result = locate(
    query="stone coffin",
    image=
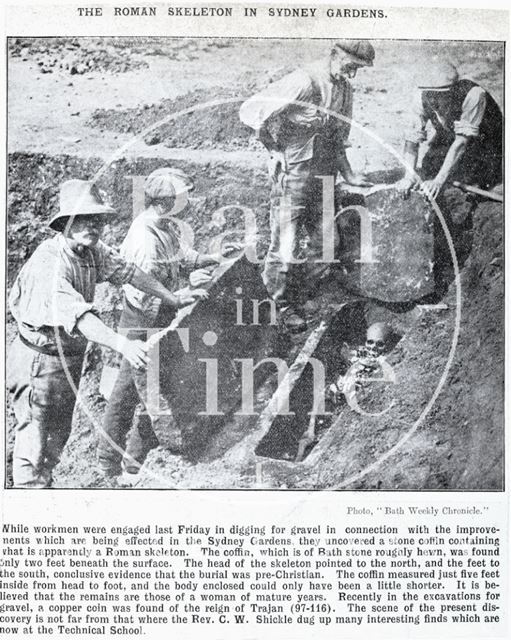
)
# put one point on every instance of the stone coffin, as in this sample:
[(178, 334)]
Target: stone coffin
[(199, 381), (283, 433), (401, 244)]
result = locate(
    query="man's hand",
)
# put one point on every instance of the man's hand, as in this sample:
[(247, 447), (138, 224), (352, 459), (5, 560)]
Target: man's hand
[(225, 251), (358, 180), (135, 352), (276, 164), (432, 188), (184, 299), (405, 185), (230, 248), (200, 277)]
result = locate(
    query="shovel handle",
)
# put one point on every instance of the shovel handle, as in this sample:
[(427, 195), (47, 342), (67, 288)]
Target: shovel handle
[(477, 191)]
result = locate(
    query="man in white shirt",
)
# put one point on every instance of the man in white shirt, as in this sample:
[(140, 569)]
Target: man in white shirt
[(154, 246), (304, 121)]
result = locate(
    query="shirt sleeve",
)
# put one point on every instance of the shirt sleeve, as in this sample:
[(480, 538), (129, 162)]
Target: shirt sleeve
[(344, 124), (43, 296), (190, 256), (143, 251), (472, 113), (111, 266), (416, 130), (279, 95)]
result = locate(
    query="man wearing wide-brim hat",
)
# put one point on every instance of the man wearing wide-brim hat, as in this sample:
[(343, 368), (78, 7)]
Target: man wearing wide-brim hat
[(466, 123), (152, 243), (304, 121), (52, 303)]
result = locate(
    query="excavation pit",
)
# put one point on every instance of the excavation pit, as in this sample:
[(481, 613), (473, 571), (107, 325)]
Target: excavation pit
[(332, 351), (459, 443)]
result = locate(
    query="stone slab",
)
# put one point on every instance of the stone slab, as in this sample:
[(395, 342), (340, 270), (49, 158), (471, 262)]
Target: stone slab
[(218, 330), (402, 246)]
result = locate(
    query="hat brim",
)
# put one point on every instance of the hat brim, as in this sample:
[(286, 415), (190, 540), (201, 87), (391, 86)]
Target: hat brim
[(360, 61), (439, 89), (95, 210)]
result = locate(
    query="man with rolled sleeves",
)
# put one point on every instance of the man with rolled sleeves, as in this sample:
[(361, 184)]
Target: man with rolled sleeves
[(52, 303), (153, 245), (296, 119), (466, 144)]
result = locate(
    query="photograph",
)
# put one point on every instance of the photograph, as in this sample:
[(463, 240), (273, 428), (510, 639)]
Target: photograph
[(254, 264)]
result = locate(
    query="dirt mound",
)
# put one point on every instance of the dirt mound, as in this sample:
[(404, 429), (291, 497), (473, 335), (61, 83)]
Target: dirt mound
[(210, 118), (76, 55), (218, 126), (459, 444)]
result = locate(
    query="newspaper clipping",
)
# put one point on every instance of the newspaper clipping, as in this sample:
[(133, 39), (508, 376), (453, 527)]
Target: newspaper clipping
[(254, 321)]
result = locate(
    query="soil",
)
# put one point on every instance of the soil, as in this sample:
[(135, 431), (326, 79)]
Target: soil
[(82, 119)]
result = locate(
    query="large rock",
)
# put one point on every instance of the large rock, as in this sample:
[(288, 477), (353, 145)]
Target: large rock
[(188, 402), (400, 246)]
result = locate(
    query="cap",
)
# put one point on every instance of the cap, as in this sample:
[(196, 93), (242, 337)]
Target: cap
[(362, 51), (167, 182), (440, 76)]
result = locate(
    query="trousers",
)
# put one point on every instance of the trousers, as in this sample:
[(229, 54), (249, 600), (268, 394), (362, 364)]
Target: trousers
[(128, 435), (120, 420), (298, 198), (43, 391)]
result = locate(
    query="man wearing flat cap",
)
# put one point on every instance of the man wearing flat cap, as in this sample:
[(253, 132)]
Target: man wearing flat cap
[(153, 245), (466, 142), (52, 303), (304, 121)]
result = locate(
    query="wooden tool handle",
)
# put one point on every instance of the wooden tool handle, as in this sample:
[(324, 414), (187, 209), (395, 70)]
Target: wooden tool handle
[(480, 192)]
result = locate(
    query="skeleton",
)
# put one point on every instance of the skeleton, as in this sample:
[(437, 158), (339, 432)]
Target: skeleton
[(363, 361)]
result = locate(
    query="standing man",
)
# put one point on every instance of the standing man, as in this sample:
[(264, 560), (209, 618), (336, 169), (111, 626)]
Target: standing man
[(466, 144), (295, 118), (52, 302), (153, 245)]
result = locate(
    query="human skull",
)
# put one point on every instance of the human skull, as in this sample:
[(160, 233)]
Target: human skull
[(377, 339)]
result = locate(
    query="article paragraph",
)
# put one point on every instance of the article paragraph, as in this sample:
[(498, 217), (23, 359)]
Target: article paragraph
[(126, 579)]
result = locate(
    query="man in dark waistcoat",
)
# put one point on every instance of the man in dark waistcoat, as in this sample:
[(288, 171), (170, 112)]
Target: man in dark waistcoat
[(466, 144)]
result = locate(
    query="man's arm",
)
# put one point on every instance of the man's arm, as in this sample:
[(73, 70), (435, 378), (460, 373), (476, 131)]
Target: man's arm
[(410, 155), (135, 351), (150, 285), (454, 155), (265, 137), (415, 135), (465, 128), (208, 259), (452, 159), (261, 109), (344, 167), (274, 99)]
